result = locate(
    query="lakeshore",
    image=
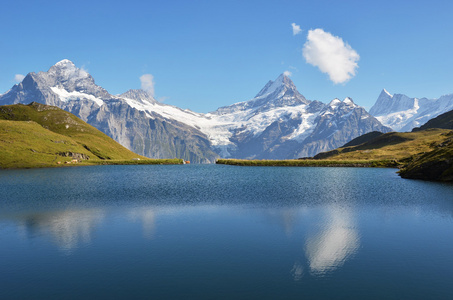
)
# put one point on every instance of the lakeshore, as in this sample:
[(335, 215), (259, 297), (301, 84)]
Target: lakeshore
[(310, 163)]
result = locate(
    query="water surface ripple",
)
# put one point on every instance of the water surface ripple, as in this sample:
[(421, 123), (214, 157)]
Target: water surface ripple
[(210, 231)]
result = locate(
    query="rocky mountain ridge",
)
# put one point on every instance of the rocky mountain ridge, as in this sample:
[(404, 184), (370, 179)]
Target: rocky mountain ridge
[(74, 90), (279, 123), (403, 113)]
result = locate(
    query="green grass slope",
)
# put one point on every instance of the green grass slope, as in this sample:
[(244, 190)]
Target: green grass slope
[(425, 154), (38, 135), (398, 146), (434, 165)]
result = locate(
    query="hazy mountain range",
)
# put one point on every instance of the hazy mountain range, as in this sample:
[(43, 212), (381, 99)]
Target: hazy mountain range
[(278, 123)]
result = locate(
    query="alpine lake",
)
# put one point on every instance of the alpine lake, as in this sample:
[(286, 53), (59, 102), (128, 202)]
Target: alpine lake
[(223, 232)]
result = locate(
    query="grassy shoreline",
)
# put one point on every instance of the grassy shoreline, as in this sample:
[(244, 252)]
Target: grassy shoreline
[(174, 161), (310, 163)]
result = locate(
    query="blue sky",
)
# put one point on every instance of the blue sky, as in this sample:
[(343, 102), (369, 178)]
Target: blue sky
[(207, 54)]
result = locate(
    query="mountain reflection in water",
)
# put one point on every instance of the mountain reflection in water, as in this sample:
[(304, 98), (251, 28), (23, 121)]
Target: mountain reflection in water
[(327, 246), (68, 229)]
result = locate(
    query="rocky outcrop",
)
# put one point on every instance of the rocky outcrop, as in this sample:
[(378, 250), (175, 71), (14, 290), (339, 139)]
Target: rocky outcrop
[(74, 155)]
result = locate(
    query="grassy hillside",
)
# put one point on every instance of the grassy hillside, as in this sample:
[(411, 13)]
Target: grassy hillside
[(38, 135), (363, 138), (433, 165), (425, 153), (398, 146)]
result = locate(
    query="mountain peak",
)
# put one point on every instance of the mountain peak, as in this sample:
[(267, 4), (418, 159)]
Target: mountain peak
[(64, 62), (65, 75), (281, 82), (66, 69), (383, 103), (337, 103), (385, 93), (279, 93), (349, 101), (138, 95), (283, 77), (334, 103)]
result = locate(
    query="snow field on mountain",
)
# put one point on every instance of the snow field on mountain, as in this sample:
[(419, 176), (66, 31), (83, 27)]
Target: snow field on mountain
[(402, 113), (257, 128), (65, 96)]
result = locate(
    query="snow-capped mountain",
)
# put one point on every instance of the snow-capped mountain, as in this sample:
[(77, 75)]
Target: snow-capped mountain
[(146, 133), (403, 113), (279, 123)]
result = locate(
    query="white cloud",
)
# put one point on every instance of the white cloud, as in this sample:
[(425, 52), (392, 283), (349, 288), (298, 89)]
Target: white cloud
[(296, 29), (147, 81), (84, 68), (287, 73), (19, 77), (331, 55), (163, 99)]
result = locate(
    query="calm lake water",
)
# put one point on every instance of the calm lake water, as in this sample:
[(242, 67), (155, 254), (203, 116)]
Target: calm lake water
[(223, 232)]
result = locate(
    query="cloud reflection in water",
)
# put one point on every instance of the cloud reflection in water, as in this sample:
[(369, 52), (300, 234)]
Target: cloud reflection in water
[(334, 244), (328, 249)]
